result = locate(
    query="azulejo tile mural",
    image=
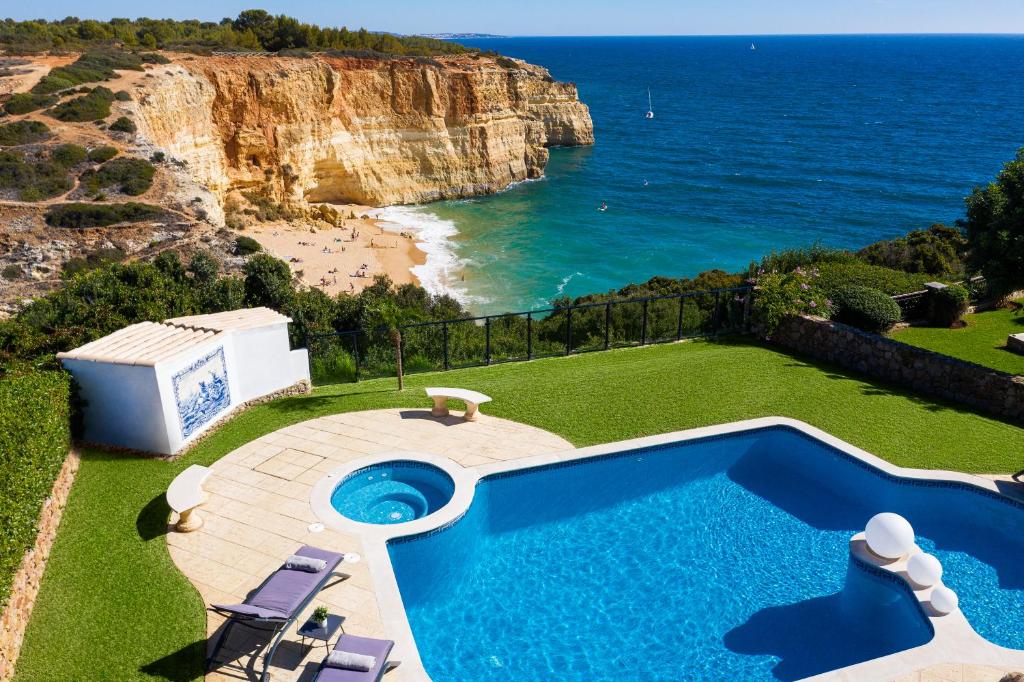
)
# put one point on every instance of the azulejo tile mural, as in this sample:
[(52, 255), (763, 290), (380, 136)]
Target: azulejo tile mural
[(201, 391)]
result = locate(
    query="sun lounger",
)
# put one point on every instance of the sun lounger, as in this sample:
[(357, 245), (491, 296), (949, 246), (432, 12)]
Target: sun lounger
[(378, 648), (275, 604)]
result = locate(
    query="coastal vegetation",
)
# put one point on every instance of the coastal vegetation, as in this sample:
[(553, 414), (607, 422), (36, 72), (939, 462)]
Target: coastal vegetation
[(250, 30), (102, 154), (91, 67), (78, 215), (33, 180), (23, 132), (25, 102), (995, 228), (123, 124), (111, 540), (131, 176), (93, 106)]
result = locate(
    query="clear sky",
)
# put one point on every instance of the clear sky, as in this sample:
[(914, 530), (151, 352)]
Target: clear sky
[(581, 17)]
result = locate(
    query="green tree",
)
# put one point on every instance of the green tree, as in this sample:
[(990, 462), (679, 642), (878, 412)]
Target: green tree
[(995, 229), (268, 282)]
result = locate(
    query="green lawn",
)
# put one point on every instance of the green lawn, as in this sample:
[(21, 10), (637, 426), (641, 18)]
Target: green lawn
[(982, 341), (113, 607)]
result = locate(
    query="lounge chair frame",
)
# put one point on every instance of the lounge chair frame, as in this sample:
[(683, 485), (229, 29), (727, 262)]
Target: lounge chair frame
[(277, 626)]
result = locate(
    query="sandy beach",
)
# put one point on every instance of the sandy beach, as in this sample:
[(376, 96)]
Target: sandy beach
[(341, 259)]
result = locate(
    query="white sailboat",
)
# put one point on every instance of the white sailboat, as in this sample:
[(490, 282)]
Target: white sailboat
[(650, 109), (753, 46)]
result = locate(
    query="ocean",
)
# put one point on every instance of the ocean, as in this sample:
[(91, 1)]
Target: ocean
[(841, 140)]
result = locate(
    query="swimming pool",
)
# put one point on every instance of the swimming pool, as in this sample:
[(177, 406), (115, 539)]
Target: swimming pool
[(393, 492), (723, 558)]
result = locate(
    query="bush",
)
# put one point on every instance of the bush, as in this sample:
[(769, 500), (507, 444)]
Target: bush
[(937, 251), (123, 96), (90, 67), (245, 246), (154, 58), (132, 176), (124, 125), (102, 154), (887, 280), (866, 308), (11, 272), (34, 180), (93, 260), (93, 215), (92, 107), (947, 306), (34, 440), (23, 132), (24, 102), (777, 296), (995, 229), (789, 260), (68, 155), (158, 157)]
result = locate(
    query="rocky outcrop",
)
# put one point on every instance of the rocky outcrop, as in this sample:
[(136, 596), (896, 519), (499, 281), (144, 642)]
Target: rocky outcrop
[(360, 130)]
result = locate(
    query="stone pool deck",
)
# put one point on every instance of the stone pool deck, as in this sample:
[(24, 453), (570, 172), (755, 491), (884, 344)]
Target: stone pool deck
[(258, 512)]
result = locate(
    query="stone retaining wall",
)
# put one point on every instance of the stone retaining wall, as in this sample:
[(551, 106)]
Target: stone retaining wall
[(988, 390), (25, 587)]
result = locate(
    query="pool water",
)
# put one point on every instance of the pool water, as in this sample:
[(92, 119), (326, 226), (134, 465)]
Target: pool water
[(721, 559), (393, 492)]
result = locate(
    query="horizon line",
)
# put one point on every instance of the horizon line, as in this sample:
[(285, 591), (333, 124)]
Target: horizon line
[(495, 36)]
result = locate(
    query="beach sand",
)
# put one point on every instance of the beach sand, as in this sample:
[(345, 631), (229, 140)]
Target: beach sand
[(329, 259)]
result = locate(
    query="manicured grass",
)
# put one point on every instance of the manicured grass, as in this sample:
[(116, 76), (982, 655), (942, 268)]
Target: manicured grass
[(982, 341), (113, 606)]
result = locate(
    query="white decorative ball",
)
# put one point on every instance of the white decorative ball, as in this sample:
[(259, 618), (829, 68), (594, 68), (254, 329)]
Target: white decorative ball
[(944, 600), (924, 569), (889, 535)]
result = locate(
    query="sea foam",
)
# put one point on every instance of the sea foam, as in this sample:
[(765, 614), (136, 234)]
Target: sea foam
[(440, 274)]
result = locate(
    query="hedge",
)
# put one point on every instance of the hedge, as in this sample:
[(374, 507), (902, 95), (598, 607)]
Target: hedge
[(34, 440), (889, 281), (947, 306), (865, 308)]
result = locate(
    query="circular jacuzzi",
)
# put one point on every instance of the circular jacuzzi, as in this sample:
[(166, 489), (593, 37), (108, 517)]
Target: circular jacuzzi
[(393, 492)]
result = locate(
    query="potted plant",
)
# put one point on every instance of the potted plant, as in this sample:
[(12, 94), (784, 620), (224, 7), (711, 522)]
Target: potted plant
[(320, 616)]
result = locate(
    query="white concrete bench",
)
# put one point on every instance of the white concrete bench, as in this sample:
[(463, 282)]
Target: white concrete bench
[(185, 494), (472, 399)]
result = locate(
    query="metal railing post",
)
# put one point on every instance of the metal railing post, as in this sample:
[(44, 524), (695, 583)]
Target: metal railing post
[(643, 325), (529, 336), (715, 315), (607, 325), (568, 331), (444, 332), (487, 345), (679, 320)]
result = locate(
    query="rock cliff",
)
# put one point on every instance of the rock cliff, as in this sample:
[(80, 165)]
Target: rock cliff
[(360, 130)]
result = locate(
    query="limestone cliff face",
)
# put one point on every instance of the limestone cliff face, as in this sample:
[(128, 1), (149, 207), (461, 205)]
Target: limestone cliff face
[(370, 131)]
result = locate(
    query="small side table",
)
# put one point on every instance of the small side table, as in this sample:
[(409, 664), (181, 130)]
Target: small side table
[(313, 631)]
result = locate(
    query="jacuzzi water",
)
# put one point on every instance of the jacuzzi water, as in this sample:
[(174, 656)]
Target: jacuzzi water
[(721, 559), (393, 492)]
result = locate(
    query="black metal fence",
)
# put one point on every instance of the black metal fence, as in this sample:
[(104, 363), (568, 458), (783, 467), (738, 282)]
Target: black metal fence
[(491, 339), (913, 305)]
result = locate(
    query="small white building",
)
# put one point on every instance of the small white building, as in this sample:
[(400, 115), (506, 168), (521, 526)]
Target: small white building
[(155, 386)]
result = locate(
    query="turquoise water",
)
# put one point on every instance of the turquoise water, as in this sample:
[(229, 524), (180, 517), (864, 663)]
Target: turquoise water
[(393, 492), (724, 559), (843, 140)]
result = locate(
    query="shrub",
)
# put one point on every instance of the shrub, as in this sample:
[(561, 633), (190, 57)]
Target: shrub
[(937, 251), (23, 132), (123, 96), (11, 272), (68, 155), (887, 280), (995, 229), (92, 107), (866, 308), (946, 306), (789, 260), (777, 296), (158, 157), (24, 102), (93, 260), (124, 125), (90, 67), (92, 215), (34, 440), (33, 180), (246, 245), (132, 176), (102, 154), (154, 58)]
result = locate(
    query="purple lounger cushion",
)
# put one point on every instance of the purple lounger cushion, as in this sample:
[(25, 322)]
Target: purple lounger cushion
[(378, 648), (286, 590)]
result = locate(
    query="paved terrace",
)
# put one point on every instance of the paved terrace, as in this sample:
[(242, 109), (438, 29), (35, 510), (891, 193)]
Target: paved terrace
[(258, 512)]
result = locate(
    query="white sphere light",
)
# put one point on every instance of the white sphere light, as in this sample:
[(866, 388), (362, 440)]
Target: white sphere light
[(924, 569), (889, 535), (944, 600)]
